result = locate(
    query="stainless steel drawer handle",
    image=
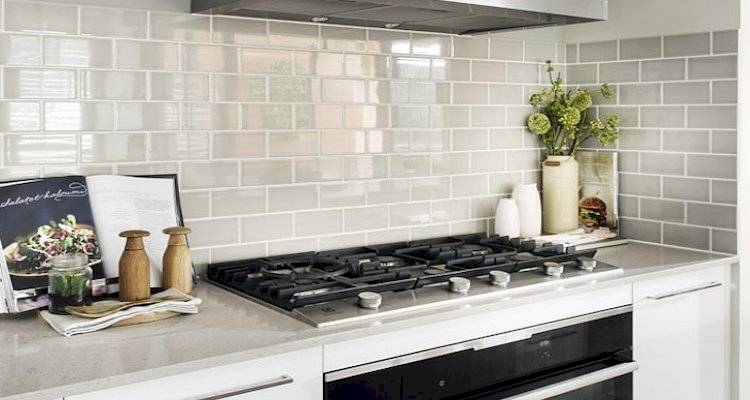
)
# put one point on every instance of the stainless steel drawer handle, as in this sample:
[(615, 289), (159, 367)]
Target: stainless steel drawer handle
[(685, 291), (576, 383), (275, 382)]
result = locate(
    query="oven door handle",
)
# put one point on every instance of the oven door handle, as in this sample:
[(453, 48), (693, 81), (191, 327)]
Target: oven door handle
[(578, 382)]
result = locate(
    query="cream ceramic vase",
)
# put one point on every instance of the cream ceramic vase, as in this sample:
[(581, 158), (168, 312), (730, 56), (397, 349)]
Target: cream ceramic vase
[(560, 194)]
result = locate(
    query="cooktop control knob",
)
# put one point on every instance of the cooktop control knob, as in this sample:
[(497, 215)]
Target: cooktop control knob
[(587, 263), (552, 268), (459, 285), (499, 278), (369, 300)]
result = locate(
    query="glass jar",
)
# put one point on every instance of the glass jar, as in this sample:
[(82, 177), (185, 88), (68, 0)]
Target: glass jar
[(69, 282)]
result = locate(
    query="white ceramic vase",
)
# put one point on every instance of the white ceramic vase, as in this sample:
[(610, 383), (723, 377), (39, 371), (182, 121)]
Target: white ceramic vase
[(507, 219), (529, 209), (560, 194)]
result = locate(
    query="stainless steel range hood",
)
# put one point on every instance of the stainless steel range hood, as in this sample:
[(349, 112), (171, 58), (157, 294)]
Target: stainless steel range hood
[(446, 16)]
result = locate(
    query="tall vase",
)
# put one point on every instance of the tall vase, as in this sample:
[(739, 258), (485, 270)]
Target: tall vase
[(560, 194), (529, 209)]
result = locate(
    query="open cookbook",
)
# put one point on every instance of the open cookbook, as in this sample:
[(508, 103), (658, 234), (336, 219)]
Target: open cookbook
[(41, 218)]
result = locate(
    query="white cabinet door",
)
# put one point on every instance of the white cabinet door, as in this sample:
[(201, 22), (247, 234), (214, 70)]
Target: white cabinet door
[(297, 375), (681, 336)]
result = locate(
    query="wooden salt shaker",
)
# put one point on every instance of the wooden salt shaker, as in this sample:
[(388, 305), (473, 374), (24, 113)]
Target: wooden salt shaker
[(177, 263), (135, 267)]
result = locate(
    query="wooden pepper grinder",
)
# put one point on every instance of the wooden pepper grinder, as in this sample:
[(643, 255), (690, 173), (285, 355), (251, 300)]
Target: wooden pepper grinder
[(177, 263), (135, 268)]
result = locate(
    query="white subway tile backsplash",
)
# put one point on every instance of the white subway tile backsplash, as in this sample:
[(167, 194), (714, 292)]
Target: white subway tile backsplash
[(687, 45), (27, 83), (389, 42), (214, 232), (209, 174), (348, 132), (207, 58), (77, 52), (469, 185), (266, 116), (431, 45), (113, 85), (240, 31), (631, 49), (238, 144), (288, 198), (24, 149), (215, 116), (266, 172), (258, 61), (366, 218), (40, 17), (471, 46), (111, 147), (313, 223), (506, 49), (176, 86), (148, 116), (493, 71), (289, 89), (336, 38), (180, 27), (19, 116), (132, 54), (20, 49), (318, 169), (342, 194), (78, 116), (293, 143), (179, 146), (712, 67), (725, 42), (335, 142), (319, 63), (113, 22), (285, 34), (238, 202)]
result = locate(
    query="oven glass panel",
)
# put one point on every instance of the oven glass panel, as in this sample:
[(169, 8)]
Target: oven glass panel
[(545, 358)]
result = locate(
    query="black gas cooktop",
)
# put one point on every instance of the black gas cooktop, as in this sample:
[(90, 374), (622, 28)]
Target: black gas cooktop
[(297, 280)]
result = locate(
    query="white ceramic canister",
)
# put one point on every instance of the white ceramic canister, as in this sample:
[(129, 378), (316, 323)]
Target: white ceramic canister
[(507, 219), (560, 194), (529, 209)]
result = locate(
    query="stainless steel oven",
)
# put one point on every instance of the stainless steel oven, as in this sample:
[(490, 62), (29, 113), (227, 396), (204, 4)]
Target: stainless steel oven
[(582, 358)]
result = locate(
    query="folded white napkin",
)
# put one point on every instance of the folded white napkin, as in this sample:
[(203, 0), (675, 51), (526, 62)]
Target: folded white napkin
[(69, 325)]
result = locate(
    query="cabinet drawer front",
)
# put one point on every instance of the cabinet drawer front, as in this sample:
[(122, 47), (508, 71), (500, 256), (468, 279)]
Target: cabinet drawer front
[(681, 284), (388, 345), (295, 375)]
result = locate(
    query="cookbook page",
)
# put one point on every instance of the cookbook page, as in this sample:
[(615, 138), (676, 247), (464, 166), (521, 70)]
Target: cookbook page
[(121, 203)]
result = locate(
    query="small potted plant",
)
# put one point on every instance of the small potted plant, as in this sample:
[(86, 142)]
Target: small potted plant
[(563, 121), (69, 282)]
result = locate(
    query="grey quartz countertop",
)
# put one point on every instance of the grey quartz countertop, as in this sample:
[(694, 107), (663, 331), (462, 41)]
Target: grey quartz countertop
[(37, 363)]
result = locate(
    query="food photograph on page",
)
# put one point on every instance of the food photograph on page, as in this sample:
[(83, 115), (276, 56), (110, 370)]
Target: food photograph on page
[(597, 207), (42, 219)]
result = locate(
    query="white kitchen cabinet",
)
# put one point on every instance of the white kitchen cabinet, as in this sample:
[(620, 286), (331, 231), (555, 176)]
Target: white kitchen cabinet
[(681, 336), (297, 375)]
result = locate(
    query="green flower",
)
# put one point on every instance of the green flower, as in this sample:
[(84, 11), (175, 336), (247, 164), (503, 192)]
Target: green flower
[(536, 99), (569, 117), (613, 121), (581, 100), (606, 91), (538, 123)]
